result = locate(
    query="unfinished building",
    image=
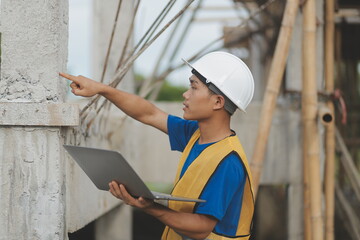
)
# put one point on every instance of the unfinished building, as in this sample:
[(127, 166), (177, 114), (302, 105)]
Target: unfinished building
[(305, 59)]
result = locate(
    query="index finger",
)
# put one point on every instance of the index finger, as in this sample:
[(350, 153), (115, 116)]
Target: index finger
[(68, 76)]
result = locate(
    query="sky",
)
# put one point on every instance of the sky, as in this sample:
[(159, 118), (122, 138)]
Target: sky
[(201, 33)]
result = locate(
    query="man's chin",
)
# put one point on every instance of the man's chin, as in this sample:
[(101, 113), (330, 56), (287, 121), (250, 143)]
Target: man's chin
[(187, 117)]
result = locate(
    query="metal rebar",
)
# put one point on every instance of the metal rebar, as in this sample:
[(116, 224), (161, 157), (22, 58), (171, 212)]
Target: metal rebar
[(122, 71), (110, 43), (131, 28)]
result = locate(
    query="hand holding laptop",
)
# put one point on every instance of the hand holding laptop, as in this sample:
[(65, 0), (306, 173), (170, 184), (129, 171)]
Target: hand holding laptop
[(104, 166), (119, 191)]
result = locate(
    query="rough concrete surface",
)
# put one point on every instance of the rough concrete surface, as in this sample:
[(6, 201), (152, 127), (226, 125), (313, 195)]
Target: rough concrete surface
[(34, 50), (39, 114), (32, 184), (32, 179)]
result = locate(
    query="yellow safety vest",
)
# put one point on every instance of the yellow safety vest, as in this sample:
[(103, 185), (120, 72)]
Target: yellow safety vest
[(197, 175)]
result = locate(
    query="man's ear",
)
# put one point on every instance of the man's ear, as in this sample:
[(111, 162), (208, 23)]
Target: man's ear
[(219, 102)]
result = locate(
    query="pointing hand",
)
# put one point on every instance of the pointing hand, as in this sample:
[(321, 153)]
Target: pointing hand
[(83, 86)]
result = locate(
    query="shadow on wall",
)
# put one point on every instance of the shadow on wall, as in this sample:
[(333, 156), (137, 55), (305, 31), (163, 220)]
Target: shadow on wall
[(146, 226), (85, 233), (270, 221)]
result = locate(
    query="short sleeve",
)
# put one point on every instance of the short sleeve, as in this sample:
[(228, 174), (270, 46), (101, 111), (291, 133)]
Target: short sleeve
[(180, 132), (224, 191)]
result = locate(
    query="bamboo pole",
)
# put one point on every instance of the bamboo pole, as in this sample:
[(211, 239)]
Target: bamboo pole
[(330, 128), (272, 89), (309, 108)]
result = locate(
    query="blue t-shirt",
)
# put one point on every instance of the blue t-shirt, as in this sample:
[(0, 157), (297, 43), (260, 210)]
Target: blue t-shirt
[(224, 191)]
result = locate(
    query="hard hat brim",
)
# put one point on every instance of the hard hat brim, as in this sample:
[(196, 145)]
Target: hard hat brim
[(187, 63)]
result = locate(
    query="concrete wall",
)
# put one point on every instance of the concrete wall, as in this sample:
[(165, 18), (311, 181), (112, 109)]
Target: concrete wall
[(32, 178), (283, 150), (43, 193), (85, 203), (155, 163), (109, 130)]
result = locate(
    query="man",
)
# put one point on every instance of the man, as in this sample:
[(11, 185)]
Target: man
[(213, 165)]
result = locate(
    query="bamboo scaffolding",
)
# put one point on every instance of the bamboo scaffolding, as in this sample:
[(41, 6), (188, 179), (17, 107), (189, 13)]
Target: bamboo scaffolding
[(330, 128), (349, 165), (311, 155), (351, 220), (272, 89)]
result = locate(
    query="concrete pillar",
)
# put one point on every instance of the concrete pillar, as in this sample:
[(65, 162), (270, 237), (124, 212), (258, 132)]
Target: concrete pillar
[(116, 224), (294, 68), (32, 169)]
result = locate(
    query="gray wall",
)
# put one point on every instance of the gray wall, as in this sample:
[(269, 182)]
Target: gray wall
[(32, 163)]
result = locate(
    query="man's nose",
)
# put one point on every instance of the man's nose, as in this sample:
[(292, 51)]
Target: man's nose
[(185, 94)]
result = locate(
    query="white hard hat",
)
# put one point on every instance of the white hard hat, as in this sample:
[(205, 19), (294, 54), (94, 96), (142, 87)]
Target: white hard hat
[(229, 74)]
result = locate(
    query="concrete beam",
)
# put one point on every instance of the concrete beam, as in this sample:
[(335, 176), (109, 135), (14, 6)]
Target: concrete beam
[(39, 114)]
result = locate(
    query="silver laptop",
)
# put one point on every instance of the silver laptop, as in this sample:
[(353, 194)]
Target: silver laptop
[(103, 166)]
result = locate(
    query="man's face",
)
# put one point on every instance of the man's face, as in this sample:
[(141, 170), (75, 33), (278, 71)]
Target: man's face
[(198, 101)]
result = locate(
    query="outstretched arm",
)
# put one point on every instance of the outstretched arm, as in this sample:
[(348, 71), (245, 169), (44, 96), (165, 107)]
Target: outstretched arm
[(195, 226), (132, 105)]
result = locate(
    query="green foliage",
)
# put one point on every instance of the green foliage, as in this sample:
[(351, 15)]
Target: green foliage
[(171, 93), (168, 91)]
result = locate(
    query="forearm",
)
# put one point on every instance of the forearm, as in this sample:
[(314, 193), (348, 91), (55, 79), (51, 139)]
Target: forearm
[(131, 104), (134, 106), (195, 226)]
